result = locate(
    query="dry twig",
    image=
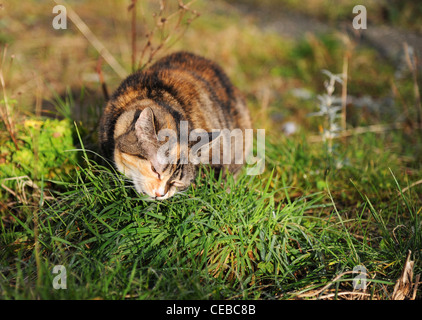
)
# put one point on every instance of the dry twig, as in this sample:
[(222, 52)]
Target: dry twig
[(5, 114), (318, 292), (411, 186), (412, 64), (376, 128), (101, 78), (161, 21), (97, 44), (404, 284)]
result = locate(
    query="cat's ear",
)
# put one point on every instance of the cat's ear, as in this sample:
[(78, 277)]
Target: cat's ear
[(144, 126), (202, 151)]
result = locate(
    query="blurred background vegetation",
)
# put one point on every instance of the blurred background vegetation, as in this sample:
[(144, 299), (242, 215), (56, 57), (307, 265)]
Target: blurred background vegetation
[(273, 50), (269, 48)]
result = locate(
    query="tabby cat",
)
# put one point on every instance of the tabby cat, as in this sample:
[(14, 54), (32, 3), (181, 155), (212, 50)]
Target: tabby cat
[(180, 91)]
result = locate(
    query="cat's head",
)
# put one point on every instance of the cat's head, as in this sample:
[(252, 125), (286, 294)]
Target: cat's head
[(151, 159)]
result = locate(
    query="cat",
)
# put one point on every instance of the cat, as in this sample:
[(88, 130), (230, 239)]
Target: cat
[(179, 92)]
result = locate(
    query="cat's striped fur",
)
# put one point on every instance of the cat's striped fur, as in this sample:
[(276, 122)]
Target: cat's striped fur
[(179, 87)]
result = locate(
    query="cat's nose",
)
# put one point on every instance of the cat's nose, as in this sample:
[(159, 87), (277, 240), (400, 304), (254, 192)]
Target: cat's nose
[(159, 192)]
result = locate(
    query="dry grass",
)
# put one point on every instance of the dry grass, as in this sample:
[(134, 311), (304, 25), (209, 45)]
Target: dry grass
[(62, 59)]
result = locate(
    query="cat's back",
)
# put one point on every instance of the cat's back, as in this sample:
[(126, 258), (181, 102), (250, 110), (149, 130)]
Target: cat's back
[(202, 87), (188, 86)]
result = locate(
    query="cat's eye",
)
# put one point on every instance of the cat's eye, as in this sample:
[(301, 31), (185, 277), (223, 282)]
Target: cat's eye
[(177, 183), (155, 171)]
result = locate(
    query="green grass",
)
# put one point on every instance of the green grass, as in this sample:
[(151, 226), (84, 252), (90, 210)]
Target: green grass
[(258, 240)]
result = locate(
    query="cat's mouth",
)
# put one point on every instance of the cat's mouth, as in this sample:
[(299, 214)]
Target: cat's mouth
[(153, 195), (166, 196)]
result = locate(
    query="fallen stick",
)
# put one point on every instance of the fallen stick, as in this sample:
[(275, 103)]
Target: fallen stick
[(97, 44), (376, 128)]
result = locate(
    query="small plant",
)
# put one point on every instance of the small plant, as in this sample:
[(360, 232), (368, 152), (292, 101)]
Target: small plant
[(330, 107), (167, 29), (39, 156)]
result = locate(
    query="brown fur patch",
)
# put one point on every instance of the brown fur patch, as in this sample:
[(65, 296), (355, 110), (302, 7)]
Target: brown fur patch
[(179, 87)]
